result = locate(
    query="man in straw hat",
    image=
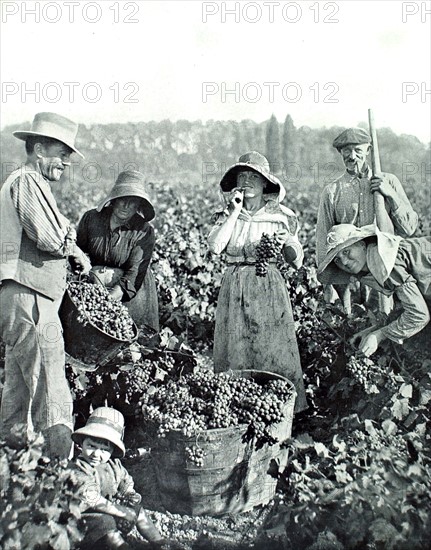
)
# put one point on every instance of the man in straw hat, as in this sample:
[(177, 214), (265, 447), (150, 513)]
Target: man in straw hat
[(36, 240), (350, 199), (390, 265), (106, 488)]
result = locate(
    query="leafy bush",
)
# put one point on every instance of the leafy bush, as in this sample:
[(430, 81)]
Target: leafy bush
[(38, 506)]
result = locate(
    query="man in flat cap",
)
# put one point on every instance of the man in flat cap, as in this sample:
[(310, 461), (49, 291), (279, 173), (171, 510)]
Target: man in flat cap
[(350, 199), (36, 240)]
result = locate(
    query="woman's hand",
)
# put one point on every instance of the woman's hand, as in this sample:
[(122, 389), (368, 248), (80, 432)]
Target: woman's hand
[(236, 198), (282, 236), (116, 292)]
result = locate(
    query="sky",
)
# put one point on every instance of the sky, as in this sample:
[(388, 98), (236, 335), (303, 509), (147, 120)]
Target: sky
[(324, 63)]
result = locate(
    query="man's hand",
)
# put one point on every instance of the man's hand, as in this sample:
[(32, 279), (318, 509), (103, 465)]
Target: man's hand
[(370, 340), (81, 261), (381, 185)]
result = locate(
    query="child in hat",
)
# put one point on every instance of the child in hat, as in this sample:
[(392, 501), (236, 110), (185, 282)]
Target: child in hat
[(390, 265), (105, 485)]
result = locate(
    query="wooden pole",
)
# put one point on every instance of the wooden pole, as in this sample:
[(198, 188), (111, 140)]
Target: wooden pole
[(383, 220)]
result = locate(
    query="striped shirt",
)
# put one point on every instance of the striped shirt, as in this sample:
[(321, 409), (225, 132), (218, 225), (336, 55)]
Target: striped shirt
[(39, 215)]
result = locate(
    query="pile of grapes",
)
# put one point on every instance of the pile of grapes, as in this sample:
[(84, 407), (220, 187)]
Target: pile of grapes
[(95, 305), (205, 400), (267, 249)]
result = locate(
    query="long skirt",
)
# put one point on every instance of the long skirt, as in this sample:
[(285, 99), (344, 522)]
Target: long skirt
[(144, 307), (255, 328)]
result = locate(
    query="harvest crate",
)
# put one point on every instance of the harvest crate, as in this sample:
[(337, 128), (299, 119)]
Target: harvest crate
[(235, 475)]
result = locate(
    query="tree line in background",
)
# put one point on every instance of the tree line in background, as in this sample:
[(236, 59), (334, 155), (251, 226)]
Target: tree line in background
[(194, 155)]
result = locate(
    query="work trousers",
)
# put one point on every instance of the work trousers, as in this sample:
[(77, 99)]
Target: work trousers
[(36, 392)]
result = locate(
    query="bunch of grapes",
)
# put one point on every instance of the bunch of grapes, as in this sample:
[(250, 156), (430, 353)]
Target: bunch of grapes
[(366, 372), (133, 383), (378, 440), (267, 249), (96, 305), (196, 455), (206, 400)]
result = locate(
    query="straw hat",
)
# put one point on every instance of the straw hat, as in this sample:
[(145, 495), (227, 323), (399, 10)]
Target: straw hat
[(104, 423), (341, 236), (53, 126), (130, 183), (258, 163)]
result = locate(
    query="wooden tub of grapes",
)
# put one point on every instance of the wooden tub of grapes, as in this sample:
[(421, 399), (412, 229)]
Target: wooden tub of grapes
[(218, 452), (95, 327)]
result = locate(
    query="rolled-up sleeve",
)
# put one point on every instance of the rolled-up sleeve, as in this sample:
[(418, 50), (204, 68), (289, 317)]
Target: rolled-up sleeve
[(414, 317), (39, 215)]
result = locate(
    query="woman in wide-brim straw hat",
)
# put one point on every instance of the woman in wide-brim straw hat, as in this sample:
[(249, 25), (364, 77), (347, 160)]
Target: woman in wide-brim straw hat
[(391, 265), (119, 239), (254, 323)]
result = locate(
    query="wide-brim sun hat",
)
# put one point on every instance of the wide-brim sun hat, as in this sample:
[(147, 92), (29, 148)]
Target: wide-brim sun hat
[(258, 163), (104, 423), (52, 125), (340, 237), (130, 183)]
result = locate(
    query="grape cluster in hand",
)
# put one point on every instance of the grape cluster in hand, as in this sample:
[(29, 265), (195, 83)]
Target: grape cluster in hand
[(95, 305), (267, 249), (205, 400)]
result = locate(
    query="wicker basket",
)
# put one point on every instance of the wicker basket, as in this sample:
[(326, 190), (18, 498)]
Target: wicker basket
[(88, 345), (234, 477)]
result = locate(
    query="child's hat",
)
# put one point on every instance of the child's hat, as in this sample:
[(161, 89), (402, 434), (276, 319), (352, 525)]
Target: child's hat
[(104, 423)]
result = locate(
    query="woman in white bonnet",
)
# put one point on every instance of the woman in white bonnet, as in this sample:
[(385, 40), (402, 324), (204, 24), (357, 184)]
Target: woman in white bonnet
[(254, 322)]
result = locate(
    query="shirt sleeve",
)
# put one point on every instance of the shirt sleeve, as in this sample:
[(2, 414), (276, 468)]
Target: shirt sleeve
[(135, 268), (415, 315), (325, 220), (292, 249), (39, 216), (403, 216)]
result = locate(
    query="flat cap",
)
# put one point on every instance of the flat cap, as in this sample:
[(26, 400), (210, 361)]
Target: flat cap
[(351, 136)]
